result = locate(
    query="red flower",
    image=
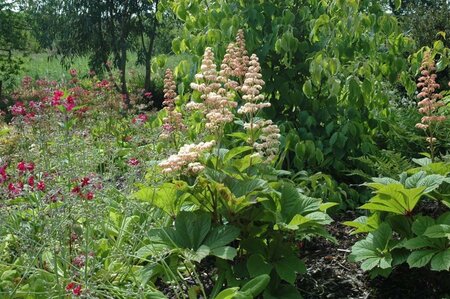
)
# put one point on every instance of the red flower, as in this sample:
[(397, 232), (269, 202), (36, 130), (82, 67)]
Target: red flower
[(70, 103), (18, 109), (133, 162), (3, 175), (21, 166), (79, 261), (85, 181), (90, 196), (70, 286), (76, 189), (31, 181), (41, 186), (140, 119), (73, 72), (148, 94), (77, 290), (29, 166)]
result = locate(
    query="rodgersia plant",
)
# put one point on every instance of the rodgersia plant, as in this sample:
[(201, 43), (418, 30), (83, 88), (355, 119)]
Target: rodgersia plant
[(222, 189), (430, 101)]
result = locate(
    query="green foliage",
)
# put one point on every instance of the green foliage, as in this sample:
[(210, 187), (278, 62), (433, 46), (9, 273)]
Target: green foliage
[(397, 231), (12, 39), (325, 82)]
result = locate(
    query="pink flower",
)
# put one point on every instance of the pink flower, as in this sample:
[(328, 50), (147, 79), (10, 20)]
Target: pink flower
[(70, 103), (79, 261), (21, 166), (90, 196), (31, 181), (76, 189), (140, 119), (29, 166), (148, 94), (70, 286), (85, 181), (73, 72), (3, 175), (77, 290), (18, 109), (41, 186), (133, 162)]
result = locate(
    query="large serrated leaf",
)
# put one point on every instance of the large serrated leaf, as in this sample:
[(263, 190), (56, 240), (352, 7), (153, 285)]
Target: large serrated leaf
[(441, 261), (420, 258)]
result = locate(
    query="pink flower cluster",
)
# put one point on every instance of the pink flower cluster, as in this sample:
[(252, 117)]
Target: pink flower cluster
[(430, 98), (173, 122), (186, 158)]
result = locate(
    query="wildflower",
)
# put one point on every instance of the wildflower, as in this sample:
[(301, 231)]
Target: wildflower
[(133, 162), (73, 72), (3, 175), (89, 196), (189, 153), (41, 186), (70, 286), (85, 181), (77, 290), (217, 101), (269, 145), (69, 103), (174, 119), (31, 181), (235, 63), (430, 100), (79, 261), (21, 166), (148, 94), (140, 119), (56, 101), (18, 109), (76, 189)]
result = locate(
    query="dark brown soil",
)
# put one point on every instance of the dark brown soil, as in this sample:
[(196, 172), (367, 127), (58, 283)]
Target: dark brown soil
[(331, 275)]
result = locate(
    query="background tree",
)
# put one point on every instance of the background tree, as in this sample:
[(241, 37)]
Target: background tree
[(13, 38), (101, 29)]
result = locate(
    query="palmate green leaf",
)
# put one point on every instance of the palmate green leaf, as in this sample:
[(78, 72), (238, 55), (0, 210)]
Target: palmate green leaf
[(421, 224), (373, 250), (257, 265), (288, 267), (192, 228), (225, 252), (394, 198), (416, 243), (292, 202), (438, 231), (244, 187), (364, 224), (431, 182), (441, 261), (420, 258), (412, 181), (221, 236), (236, 151)]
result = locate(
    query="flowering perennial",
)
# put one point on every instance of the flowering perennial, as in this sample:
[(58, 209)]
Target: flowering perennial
[(430, 100), (186, 158), (174, 120)]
